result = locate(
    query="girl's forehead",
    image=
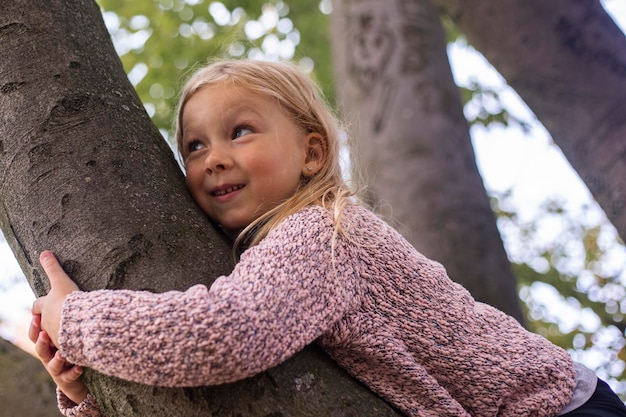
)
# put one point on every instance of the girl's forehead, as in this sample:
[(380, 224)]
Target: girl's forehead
[(229, 94), (224, 100)]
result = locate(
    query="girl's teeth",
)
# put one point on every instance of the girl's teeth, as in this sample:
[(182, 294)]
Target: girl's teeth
[(228, 190)]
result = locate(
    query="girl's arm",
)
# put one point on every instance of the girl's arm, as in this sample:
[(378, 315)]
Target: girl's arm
[(283, 294)]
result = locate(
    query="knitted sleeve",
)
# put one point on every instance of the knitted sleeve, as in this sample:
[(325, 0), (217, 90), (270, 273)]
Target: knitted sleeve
[(283, 294), (87, 408)]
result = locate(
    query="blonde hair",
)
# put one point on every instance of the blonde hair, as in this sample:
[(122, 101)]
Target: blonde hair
[(301, 99)]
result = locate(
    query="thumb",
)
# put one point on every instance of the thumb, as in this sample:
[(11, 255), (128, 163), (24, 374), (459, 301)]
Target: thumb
[(54, 271), (50, 265)]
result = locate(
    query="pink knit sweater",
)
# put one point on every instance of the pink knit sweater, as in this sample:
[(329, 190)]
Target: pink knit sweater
[(384, 312)]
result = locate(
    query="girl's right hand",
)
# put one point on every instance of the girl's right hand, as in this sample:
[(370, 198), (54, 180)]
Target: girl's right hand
[(64, 374)]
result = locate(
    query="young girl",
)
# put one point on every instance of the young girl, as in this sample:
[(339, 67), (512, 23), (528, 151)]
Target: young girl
[(260, 149)]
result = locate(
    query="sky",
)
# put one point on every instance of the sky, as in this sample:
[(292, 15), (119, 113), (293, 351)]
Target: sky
[(528, 164)]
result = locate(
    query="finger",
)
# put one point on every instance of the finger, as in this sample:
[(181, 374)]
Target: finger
[(35, 328), (37, 319), (71, 374), (37, 306), (56, 364), (56, 275), (43, 349), (51, 266), (74, 373), (61, 368)]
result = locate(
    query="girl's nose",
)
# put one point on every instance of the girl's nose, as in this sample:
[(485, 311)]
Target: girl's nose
[(217, 160)]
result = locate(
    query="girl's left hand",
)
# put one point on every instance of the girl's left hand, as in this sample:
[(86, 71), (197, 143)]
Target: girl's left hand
[(64, 374), (49, 306)]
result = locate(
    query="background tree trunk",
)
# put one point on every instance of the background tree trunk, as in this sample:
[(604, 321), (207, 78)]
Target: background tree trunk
[(414, 149), (25, 387), (84, 172), (578, 92)]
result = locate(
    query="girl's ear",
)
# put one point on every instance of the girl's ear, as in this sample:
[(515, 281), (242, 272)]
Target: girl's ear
[(316, 150)]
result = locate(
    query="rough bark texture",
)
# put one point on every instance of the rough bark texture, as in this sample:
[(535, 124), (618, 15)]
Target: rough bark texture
[(84, 172), (412, 142), (567, 60), (25, 387)]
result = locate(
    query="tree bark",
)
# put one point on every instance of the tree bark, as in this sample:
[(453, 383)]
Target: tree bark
[(567, 60), (25, 387), (412, 143), (85, 173)]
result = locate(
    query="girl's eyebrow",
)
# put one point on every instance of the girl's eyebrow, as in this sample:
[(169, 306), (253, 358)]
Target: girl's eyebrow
[(236, 113), (230, 112)]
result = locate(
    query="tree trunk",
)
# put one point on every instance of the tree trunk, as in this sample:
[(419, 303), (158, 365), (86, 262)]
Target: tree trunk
[(25, 387), (578, 93), (85, 173), (413, 148)]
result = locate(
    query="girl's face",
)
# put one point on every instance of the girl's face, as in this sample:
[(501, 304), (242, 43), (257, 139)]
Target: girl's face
[(243, 155)]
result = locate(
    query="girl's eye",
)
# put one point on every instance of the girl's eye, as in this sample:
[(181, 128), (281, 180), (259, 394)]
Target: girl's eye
[(194, 146), (241, 131)]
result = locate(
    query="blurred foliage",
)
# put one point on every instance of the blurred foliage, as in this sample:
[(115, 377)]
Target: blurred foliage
[(484, 101), (576, 257), (451, 31), (487, 106), (161, 41)]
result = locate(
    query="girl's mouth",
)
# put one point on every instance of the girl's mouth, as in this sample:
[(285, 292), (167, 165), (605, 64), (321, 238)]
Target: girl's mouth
[(227, 190)]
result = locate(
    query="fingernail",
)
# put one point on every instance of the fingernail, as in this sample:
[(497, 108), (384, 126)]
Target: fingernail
[(46, 256)]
